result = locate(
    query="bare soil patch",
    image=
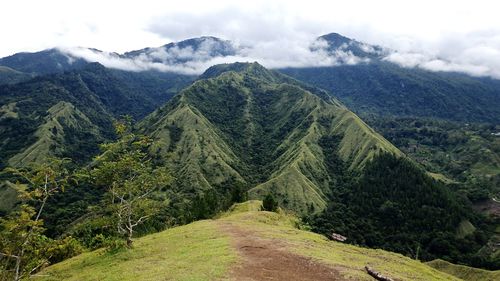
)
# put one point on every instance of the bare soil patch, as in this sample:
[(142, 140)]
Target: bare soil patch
[(268, 259)]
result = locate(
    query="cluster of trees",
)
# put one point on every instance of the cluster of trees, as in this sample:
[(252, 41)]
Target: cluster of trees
[(396, 206), (129, 181), (466, 153)]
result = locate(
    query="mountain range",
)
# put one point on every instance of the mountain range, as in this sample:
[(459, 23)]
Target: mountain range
[(241, 131)]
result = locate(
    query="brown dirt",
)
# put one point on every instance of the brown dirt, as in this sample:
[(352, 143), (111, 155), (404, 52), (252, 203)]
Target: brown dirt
[(267, 259)]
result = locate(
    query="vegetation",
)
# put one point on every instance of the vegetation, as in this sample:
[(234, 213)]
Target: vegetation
[(468, 155), (464, 272), (387, 89), (70, 113), (127, 173), (269, 203), (23, 247), (197, 251), (202, 251), (240, 132), (262, 137), (396, 206)]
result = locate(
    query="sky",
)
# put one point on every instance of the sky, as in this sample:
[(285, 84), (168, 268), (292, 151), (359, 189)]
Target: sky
[(435, 35)]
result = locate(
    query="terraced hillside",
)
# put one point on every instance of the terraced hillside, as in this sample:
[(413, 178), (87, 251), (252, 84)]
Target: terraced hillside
[(243, 244), (244, 125)]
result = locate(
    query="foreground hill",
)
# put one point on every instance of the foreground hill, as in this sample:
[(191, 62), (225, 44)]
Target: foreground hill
[(244, 244)]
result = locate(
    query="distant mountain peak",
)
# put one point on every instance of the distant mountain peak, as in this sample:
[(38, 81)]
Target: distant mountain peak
[(335, 39), (339, 43), (198, 48)]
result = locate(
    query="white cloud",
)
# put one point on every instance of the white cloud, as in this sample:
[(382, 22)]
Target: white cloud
[(446, 35), (278, 54)]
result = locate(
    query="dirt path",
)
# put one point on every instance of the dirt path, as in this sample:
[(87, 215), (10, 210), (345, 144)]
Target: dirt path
[(265, 259)]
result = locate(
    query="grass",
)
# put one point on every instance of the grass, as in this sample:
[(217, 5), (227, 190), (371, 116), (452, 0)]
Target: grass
[(201, 251), (348, 259), (465, 228), (465, 272), (197, 251)]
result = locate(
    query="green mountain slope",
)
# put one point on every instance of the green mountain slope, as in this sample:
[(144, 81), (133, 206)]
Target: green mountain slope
[(211, 250), (384, 88), (52, 138), (94, 95), (245, 125), (465, 272), (11, 76)]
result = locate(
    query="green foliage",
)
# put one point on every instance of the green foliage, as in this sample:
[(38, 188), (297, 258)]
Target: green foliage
[(465, 272), (245, 128), (22, 244), (198, 251), (269, 203), (467, 154), (386, 89), (23, 247), (126, 171), (395, 205), (95, 95)]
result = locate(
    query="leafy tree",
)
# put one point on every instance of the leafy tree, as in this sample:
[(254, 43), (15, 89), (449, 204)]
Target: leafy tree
[(269, 203), (22, 243), (128, 173)]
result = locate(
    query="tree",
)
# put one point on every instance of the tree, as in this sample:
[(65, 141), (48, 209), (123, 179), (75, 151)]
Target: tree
[(128, 173), (269, 203), (22, 241)]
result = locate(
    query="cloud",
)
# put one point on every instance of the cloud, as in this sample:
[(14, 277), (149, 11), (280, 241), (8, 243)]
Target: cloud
[(452, 35), (194, 61), (476, 53)]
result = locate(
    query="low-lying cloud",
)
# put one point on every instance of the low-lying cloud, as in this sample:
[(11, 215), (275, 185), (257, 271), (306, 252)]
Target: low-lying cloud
[(186, 60), (477, 54)]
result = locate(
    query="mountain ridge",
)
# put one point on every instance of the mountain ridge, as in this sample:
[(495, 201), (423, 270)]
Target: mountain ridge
[(251, 103)]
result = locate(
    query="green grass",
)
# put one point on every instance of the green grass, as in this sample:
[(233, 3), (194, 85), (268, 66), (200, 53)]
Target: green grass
[(465, 272), (465, 228), (201, 251), (193, 252), (348, 259)]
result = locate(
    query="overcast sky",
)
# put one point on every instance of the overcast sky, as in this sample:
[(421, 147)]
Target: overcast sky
[(438, 35)]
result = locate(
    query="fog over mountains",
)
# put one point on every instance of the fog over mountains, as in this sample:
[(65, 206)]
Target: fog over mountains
[(193, 56)]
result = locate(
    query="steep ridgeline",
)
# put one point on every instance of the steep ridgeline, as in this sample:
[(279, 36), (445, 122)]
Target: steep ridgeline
[(68, 114), (243, 126)]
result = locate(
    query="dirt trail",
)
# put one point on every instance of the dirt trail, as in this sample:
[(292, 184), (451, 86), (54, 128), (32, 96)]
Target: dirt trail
[(266, 259)]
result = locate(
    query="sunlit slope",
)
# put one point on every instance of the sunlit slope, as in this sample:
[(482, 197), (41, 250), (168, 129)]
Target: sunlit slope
[(465, 272), (205, 251), (244, 124)]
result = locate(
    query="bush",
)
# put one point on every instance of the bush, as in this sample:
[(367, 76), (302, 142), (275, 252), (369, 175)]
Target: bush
[(269, 203)]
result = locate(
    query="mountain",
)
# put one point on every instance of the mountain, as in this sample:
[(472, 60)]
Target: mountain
[(242, 130), (244, 244), (242, 124), (43, 62), (68, 114), (368, 85), (194, 49), (377, 86), (11, 76), (336, 42)]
